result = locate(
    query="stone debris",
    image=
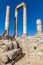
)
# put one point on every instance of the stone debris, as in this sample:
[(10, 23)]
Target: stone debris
[(31, 47), (9, 52), (3, 48), (4, 59)]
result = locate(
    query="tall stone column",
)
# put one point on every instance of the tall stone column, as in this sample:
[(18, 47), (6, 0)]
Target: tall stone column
[(16, 20), (24, 20), (39, 27), (7, 21)]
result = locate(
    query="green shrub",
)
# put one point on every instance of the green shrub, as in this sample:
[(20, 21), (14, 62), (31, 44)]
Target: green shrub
[(35, 47)]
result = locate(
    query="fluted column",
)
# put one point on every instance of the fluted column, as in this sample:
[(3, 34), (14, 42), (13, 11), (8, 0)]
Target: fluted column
[(39, 27), (24, 20), (7, 21)]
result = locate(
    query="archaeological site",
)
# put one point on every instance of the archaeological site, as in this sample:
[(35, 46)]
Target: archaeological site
[(24, 49)]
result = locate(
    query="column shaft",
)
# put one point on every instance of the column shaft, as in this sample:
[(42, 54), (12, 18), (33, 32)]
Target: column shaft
[(16, 27), (39, 27), (24, 20), (7, 20)]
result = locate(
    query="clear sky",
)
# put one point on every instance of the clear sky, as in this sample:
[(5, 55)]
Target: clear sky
[(34, 12)]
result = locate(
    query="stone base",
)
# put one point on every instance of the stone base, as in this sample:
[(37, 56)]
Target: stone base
[(24, 35)]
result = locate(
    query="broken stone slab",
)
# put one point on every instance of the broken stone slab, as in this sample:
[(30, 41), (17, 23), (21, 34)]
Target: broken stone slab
[(9, 45), (15, 44), (10, 54), (13, 55), (19, 55), (10, 63), (3, 48), (5, 59)]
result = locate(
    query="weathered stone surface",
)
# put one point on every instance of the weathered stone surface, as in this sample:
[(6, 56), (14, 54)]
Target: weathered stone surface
[(9, 45), (15, 44), (3, 48), (32, 47), (10, 55), (9, 64), (4, 59)]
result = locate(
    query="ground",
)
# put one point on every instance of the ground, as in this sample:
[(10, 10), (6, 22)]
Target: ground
[(32, 48)]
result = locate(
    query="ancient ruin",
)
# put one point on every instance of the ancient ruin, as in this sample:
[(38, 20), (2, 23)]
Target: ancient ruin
[(24, 18), (24, 50), (7, 21)]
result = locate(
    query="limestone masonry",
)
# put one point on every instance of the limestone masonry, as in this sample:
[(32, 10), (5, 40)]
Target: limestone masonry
[(24, 50)]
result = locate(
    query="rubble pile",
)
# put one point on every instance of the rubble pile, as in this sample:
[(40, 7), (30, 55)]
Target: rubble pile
[(10, 51)]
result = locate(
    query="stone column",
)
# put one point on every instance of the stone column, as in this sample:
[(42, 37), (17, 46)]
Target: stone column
[(16, 20), (39, 27), (24, 21), (7, 21), (24, 18)]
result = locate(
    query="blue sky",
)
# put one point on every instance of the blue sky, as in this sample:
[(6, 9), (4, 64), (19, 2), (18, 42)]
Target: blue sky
[(34, 12)]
